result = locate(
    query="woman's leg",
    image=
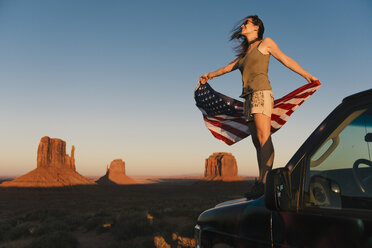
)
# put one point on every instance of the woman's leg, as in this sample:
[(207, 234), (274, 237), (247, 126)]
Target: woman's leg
[(256, 142), (266, 149)]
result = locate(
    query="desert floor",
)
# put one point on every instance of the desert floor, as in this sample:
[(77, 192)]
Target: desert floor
[(161, 214)]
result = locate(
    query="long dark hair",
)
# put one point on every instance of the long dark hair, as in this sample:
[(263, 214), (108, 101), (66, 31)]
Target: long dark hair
[(243, 44)]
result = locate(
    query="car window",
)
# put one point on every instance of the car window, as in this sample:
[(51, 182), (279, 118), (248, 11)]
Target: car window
[(340, 170)]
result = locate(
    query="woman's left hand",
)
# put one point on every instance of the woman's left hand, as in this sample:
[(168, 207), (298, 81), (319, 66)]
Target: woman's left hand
[(311, 79)]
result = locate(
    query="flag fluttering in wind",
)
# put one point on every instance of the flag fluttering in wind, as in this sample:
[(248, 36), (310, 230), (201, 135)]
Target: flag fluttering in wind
[(224, 116)]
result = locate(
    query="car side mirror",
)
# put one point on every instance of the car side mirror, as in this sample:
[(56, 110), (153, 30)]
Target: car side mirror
[(278, 190)]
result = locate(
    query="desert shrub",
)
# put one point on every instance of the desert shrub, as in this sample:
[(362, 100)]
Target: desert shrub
[(131, 225), (130, 210), (5, 226), (177, 211), (102, 213), (114, 244), (43, 214), (184, 212), (193, 214), (39, 215), (157, 212), (143, 242), (93, 222), (55, 240), (8, 221), (187, 230), (96, 223), (74, 221), (56, 213), (18, 231), (164, 228), (52, 225)]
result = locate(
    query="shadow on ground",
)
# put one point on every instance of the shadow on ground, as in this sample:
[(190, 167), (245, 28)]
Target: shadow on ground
[(110, 216)]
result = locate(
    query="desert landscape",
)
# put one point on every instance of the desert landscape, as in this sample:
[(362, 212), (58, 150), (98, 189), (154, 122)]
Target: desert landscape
[(54, 206), (110, 215), (104, 140)]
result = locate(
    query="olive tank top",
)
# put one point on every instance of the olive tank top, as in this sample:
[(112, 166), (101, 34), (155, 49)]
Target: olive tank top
[(254, 67)]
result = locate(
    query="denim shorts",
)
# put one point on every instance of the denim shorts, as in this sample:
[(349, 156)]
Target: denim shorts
[(258, 102)]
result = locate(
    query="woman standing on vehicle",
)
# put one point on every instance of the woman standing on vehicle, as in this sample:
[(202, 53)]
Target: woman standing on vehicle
[(253, 62)]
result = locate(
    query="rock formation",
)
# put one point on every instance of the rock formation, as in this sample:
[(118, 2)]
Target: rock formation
[(221, 166), (115, 174), (52, 154), (54, 168)]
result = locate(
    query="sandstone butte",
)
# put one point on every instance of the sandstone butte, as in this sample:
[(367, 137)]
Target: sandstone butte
[(115, 174), (54, 168), (221, 166)]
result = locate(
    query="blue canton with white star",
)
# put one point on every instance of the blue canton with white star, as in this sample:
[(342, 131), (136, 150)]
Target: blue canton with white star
[(212, 102)]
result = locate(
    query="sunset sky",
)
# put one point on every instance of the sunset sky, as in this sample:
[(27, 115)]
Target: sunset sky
[(116, 78)]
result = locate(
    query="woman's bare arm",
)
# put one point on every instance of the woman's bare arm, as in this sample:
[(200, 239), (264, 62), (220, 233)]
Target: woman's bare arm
[(223, 70), (271, 47)]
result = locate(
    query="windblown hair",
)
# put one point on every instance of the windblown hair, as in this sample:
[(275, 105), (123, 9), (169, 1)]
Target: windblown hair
[(243, 44)]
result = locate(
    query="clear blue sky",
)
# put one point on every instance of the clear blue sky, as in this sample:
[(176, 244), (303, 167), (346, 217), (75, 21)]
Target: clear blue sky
[(116, 78)]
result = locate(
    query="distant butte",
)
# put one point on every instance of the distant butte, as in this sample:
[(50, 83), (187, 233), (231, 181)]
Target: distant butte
[(115, 174), (54, 168), (221, 166)]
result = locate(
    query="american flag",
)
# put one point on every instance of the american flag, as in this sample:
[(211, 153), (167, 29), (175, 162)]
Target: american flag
[(224, 117)]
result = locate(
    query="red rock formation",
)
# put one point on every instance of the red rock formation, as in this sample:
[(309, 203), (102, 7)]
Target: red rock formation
[(52, 153), (55, 168), (221, 166), (115, 174)]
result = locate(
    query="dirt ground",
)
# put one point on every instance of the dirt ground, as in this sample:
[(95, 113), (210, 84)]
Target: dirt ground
[(110, 216)]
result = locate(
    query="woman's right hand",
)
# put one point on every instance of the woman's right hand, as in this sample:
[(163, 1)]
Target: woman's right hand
[(310, 78), (204, 78)]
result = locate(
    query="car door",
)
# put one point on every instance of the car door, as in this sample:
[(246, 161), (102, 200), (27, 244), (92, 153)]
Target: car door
[(335, 199)]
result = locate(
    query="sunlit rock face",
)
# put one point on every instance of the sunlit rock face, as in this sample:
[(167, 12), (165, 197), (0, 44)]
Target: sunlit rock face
[(221, 166), (52, 154), (115, 174), (54, 168)]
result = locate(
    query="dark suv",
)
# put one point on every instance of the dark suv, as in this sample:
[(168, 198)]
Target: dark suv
[(321, 198)]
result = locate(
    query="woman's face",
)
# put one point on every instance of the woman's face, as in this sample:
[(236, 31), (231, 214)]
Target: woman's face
[(248, 27)]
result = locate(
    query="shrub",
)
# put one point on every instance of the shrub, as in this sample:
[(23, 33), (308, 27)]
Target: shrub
[(96, 223), (187, 230), (57, 213), (5, 226), (20, 230), (164, 228), (131, 210), (55, 240), (132, 225), (143, 242), (74, 221), (39, 215), (157, 213), (43, 214), (102, 213), (52, 225)]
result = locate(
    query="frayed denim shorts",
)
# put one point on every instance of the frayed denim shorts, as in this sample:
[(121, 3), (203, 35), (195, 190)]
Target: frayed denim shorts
[(258, 102)]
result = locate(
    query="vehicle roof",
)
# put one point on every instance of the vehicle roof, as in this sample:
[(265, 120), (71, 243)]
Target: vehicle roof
[(357, 95)]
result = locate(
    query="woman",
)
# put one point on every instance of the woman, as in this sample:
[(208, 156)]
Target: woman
[(253, 61)]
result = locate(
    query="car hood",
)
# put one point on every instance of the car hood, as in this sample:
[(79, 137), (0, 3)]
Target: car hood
[(229, 217)]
